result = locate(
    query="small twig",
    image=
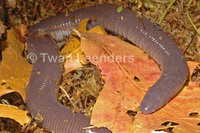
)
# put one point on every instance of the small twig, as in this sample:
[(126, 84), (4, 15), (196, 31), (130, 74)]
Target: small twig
[(46, 9), (189, 43), (90, 127), (63, 90), (78, 33), (190, 18), (166, 12)]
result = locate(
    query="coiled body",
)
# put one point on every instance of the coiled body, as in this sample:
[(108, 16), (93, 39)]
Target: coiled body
[(41, 93)]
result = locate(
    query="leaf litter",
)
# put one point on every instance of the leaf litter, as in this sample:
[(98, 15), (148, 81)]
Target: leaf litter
[(175, 18)]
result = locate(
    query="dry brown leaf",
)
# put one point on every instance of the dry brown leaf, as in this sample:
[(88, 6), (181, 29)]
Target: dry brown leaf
[(192, 65), (123, 93), (2, 28), (178, 110), (75, 57), (14, 69), (9, 111)]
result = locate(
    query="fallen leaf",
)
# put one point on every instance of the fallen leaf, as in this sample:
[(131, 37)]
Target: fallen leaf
[(9, 111), (194, 84), (178, 111), (72, 51), (75, 57), (192, 65), (122, 91), (22, 31), (128, 73), (73, 54), (2, 28), (14, 69)]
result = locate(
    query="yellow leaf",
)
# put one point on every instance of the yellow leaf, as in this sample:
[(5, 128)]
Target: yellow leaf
[(9, 111), (73, 52), (14, 69)]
